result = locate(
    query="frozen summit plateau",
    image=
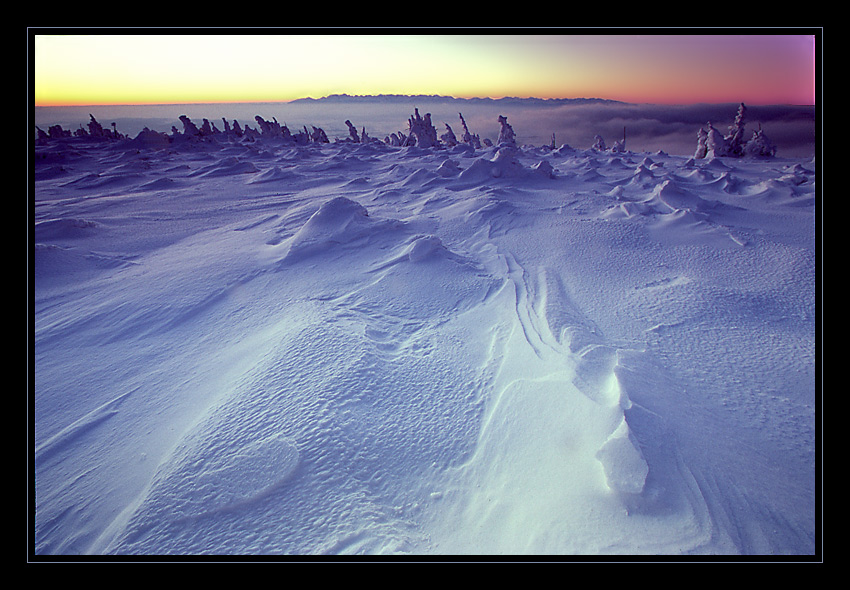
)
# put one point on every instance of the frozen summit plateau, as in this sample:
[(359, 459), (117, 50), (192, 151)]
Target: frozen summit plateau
[(256, 340)]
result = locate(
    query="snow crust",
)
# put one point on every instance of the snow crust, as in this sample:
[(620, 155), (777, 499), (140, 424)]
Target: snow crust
[(247, 344)]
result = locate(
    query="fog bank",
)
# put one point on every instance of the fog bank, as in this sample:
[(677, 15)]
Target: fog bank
[(647, 127)]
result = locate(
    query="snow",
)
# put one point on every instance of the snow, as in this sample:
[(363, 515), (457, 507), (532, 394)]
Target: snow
[(248, 346)]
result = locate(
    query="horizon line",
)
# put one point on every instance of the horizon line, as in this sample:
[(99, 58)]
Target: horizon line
[(396, 95)]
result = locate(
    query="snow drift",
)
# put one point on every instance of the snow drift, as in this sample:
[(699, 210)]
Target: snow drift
[(252, 344)]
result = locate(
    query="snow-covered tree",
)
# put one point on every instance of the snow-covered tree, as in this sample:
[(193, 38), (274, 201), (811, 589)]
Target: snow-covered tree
[(735, 139), (421, 132), (506, 132), (715, 143), (467, 137), (189, 128), (759, 146), (318, 135), (352, 132), (599, 143), (710, 143), (702, 148), (272, 128), (95, 128), (448, 137)]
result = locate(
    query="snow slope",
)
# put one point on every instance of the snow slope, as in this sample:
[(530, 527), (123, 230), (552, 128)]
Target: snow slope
[(250, 348)]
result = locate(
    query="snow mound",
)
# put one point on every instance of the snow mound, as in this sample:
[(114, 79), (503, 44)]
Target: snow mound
[(226, 167), (63, 229), (676, 198), (337, 221), (426, 248)]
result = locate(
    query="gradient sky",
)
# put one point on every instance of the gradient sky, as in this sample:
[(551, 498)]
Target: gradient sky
[(195, 68)]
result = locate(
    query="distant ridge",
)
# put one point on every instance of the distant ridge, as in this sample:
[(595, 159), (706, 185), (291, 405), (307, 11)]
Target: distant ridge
[(404, 98)]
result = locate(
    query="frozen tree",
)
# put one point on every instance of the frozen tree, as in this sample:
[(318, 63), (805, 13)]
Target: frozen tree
[(735, 138), (421, 132), (715, 143), (272, 128), (318, 135), (760, 146), (189, 128), (468, 138), (598, 143), (396, 140), (506, 133), (95, 128), (710, 142), (250, 133), (702, 149), (352, 132), (448, 137), (56, 131)]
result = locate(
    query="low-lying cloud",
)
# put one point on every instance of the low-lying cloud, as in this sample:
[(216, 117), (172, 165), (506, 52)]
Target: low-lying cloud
[(672, 129), (648, 128)]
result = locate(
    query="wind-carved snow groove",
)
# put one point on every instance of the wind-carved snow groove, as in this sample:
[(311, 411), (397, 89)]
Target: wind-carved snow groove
[(80, 427), (553, 326)]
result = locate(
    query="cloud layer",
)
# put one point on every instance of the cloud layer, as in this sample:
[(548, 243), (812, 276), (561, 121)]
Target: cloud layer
[(648, 128)]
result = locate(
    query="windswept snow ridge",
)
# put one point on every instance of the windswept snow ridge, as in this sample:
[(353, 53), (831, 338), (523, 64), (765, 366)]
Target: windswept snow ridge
[(259, 343)]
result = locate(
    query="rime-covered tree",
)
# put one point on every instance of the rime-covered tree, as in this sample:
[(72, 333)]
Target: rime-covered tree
[(735, 139), (760, 146), (421, 132), (599, 143), (715, 143), (448, 137), (352, 132), (702, 149), (506, 132), (467, 137), (189, 128)]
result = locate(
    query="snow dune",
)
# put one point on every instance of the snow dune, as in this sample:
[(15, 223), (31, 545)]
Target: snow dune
[(247, 348)]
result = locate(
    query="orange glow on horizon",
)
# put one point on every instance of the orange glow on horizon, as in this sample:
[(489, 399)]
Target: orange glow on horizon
[(82, 70)]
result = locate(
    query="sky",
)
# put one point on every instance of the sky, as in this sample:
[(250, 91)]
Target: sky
[(100, 69)]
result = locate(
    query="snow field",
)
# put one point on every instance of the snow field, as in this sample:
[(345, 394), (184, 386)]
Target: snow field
[(255, 348)]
